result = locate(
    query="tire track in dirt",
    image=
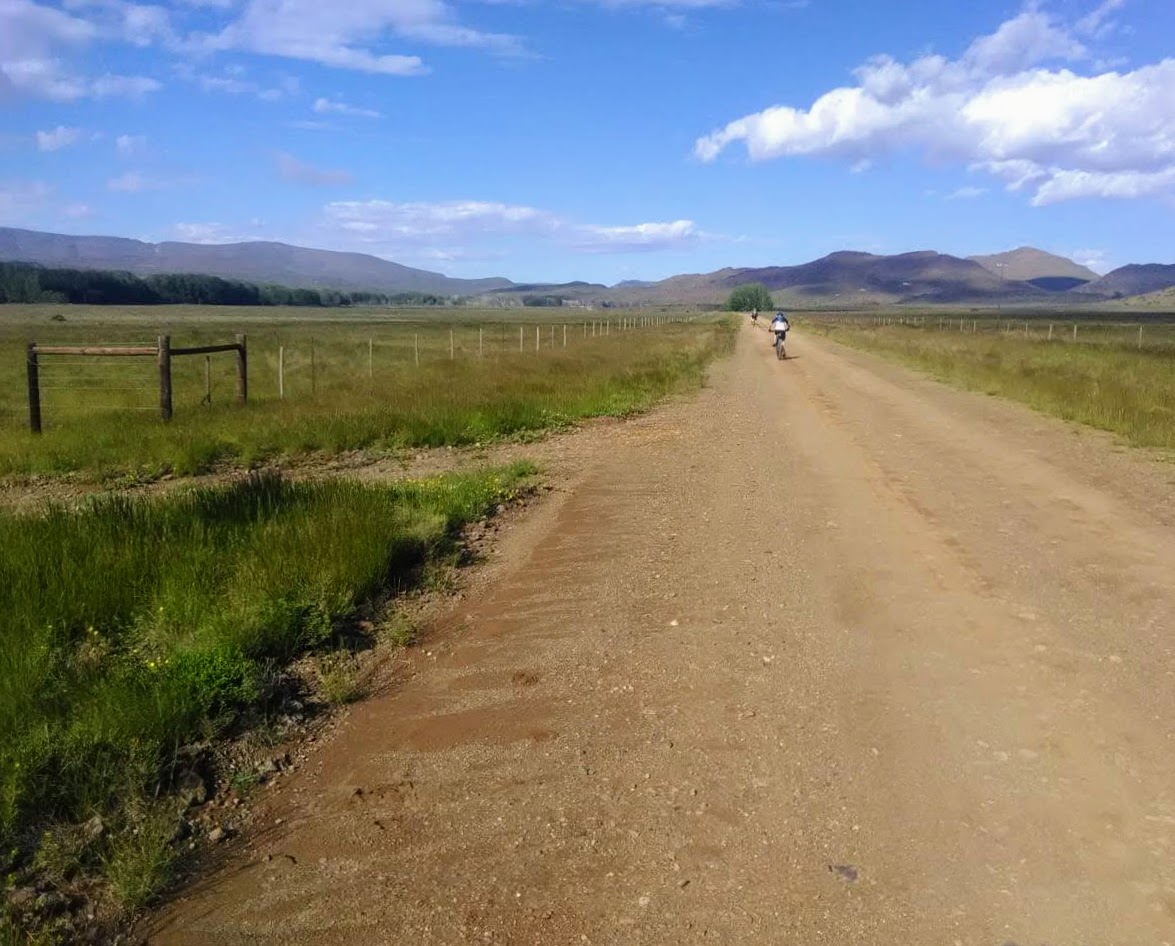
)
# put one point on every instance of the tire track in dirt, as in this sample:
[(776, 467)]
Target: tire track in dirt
[(827, 653)]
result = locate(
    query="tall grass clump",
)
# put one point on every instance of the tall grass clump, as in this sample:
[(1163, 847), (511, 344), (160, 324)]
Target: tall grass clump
[(132, 628), (1113, 386), (364, 390)]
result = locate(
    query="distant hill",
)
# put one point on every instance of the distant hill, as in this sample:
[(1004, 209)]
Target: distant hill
[(1163, 300), (842, 279), (1044, 270), (1132, 280), (849, 278), (258, 262)]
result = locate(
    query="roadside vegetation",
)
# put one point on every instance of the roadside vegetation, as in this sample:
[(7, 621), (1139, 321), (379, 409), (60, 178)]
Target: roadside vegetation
[(136, 631), (753, 295), (380, 386), (143, 634), (1107, 375)]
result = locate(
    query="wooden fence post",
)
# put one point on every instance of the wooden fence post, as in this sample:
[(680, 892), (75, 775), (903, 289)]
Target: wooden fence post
[(538, 329), (416, 348), (208, 380), (1074, 331), (34, 372), (313, 371), (564, 334), (242, 369), (165, 377), (480, 342), (281, 372), (1050, 331), (371, 359), (450, 344), (520, 339), (1140, 338)]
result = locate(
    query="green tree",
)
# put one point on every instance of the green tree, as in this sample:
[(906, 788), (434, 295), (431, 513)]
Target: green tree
[(753, 295)]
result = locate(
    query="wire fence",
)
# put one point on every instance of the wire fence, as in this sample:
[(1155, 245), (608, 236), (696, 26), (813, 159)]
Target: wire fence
[(1153, 335), (295, 362)]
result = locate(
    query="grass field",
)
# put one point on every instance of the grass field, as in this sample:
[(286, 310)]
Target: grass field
[(134, 628), (1106, 375), (356, 380)]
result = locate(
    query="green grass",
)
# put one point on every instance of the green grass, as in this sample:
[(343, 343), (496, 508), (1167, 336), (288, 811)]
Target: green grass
[(132, 628), (101, 415), (1104, 380)]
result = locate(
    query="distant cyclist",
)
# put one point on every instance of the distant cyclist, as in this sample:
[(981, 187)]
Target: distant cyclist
[(754, 316), (780, 326)]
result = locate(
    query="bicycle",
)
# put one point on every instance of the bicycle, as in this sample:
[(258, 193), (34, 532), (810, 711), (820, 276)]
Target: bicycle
[(780, 347)]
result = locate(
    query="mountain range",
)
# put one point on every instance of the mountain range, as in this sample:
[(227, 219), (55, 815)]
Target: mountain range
[(259, 262), (1024, 275)]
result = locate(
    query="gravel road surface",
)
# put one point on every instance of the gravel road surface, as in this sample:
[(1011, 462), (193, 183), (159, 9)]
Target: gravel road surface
[(829, 653)]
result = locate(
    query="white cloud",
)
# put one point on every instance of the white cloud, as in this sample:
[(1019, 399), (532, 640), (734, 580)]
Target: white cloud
[(422, 222), (60, 137), (999, 108), (298, 172), (352, 35), (35, 43), (234, 81), (1097, 260), (205, 233), (966, 193), (1098, 22), (456, 229), (130, 145), (641, 237), (324, 106), (1069, 185)]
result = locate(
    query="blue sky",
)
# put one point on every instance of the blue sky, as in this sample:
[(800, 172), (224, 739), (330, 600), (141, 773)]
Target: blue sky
[(596, 139)]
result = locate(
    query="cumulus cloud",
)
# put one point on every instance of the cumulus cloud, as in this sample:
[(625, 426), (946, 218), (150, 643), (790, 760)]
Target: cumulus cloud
[(351, 35), (325, 106), (1014, 105), (454, 229), (58, 138), (294, 171)]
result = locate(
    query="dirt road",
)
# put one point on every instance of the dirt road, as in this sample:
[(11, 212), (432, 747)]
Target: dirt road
[(828, 654)]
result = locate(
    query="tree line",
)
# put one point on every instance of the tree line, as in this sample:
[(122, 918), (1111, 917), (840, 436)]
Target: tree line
[(28, 282)]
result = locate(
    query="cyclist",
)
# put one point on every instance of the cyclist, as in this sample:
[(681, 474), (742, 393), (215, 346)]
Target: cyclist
[(754, 316), (779, 329)]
